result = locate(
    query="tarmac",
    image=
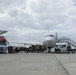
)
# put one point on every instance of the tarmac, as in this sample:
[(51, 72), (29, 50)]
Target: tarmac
[(37, 64)]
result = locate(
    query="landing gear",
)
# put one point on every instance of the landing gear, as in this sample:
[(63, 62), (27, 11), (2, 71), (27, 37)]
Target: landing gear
[(48, 50)]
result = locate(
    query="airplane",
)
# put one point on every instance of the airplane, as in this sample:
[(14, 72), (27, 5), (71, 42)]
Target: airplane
[(50, 41)]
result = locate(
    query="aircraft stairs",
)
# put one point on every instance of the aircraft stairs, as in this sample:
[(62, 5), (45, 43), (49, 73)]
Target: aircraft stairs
[(67, 40)]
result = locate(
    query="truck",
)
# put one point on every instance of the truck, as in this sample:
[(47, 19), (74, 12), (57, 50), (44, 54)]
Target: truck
[(63, 48), (3, 45)]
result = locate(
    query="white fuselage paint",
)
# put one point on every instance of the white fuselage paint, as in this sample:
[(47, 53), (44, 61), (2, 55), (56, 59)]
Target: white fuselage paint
[(50, 41)]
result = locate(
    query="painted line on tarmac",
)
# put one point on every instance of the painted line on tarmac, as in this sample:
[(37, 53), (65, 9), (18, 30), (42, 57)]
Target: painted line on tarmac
[(62, 66)]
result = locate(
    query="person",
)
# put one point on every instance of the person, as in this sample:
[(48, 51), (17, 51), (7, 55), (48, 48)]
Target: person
[(68, 48), (10, 49)]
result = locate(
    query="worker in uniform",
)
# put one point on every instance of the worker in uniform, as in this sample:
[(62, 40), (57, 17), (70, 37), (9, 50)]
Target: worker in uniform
[(68, 48), (37, 48)]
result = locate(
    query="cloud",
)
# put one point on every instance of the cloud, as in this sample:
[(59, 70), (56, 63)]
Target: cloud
[(29, 20)]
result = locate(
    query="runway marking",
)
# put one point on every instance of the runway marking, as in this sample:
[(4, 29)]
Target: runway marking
[(62, 66)]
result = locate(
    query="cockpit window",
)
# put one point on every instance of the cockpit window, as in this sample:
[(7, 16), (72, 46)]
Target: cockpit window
[(49, 37)]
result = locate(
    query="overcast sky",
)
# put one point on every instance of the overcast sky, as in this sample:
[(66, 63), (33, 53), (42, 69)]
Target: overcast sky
[(30, 20)]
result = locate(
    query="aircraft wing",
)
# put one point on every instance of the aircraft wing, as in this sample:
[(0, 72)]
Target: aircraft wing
[(26, 43), (2, 32)]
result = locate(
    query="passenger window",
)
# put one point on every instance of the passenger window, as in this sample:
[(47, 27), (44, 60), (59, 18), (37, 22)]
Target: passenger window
[(63, 45)]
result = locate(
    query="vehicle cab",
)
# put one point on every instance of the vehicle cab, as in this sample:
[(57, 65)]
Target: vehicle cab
[(3, 45), (61, 48)]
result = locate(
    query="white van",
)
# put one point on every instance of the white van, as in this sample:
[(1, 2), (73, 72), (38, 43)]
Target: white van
[(63, 48)]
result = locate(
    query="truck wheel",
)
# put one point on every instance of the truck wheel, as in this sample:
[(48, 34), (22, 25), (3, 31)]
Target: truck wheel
[(58, 50)]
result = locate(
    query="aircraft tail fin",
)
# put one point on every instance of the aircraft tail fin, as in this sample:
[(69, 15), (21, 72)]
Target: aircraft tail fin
[(56, 37)]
